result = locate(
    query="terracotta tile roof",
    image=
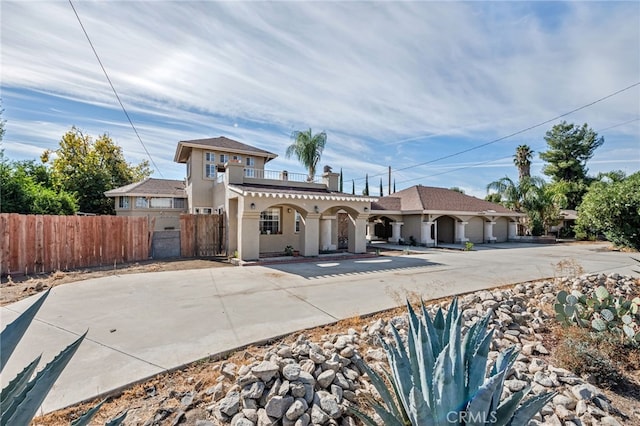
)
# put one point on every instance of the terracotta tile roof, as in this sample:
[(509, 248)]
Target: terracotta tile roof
[(150, 187), (222, 143), (421, 198)]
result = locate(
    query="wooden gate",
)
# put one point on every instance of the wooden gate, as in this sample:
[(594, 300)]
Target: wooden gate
[(202, 235)]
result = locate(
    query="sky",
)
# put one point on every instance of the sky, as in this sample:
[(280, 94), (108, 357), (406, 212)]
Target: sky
[(443, 92)]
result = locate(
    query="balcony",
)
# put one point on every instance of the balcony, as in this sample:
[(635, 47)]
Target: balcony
[(282, 176)]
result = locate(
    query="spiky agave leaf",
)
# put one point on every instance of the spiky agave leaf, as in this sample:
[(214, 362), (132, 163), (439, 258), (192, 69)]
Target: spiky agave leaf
[(84, 419), (509, 406), (378, 383), (503, 363), (13, 332), (479, 410), (24, 406), (400, 365), (16, 385), (444, 387), (476, 366), (118, 420), (529, 408)]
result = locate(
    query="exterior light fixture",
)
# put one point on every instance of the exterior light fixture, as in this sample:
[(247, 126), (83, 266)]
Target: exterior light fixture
[(316, 209), (253, 206), (366, 209)]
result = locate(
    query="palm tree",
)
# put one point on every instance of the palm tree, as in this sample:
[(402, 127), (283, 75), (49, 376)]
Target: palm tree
[(308, 148), (530, 195), (522, 160)]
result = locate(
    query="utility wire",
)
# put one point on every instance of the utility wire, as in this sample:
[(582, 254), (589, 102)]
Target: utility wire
[(114, 90), (501, 158), (515, 133)]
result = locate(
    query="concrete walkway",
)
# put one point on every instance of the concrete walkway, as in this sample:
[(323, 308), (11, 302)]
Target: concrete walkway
[(143, 324)]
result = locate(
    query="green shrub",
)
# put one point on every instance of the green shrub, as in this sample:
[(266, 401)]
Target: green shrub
[(439, 377)]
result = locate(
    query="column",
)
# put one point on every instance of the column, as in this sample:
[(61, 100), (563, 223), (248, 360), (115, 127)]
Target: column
[(325, 234), (311, 235), (426, 234), (396, 227), (488, 231), (369, 228), (357, 235), (459, 231), (513, 229), (248, 234)]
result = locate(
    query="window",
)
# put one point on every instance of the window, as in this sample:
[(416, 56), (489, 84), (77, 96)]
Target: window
[(189, 168), (237, 158), (249, 171), (209, 165), (224, 158), (123, 202), (210, 170), (142, 203), (270, 221), (179, 203), (298, 219), (160, 203), (251, 162)]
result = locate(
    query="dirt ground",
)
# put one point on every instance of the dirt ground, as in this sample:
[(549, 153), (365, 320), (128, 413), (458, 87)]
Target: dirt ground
[(13, 289)]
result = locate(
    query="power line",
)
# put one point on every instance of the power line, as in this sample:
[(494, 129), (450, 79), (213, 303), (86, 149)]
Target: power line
[(502, 158), (516, 133), (114, 90)]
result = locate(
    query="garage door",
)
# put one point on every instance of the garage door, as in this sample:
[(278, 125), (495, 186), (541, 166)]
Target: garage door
[(474, 230), (501, 229)]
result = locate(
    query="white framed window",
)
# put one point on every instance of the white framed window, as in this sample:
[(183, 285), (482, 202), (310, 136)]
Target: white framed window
[(237, 158), (298, 218), (142, 203), (179, 203), (224, 158), (189, 168), (251, 162), (209, 165), (123, 202), (270, 221), (210, 171), (160, 203)]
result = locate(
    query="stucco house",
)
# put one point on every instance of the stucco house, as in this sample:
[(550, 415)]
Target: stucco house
[(162, 200), (268, 210), (433, 216)]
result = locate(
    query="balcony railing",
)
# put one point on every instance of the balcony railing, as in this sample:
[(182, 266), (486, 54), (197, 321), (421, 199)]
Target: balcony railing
[(279, 175)]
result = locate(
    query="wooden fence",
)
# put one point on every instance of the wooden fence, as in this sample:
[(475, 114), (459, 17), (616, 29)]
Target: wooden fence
[(202, 235), (38, 243)]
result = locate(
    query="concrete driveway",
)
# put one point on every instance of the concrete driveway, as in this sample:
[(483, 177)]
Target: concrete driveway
[(143, 324)]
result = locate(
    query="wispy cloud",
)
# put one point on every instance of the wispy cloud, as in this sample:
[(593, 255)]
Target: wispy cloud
[(391, 82)]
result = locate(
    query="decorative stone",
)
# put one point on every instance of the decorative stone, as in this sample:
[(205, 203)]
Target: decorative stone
[(278, 405), (265, 371), (291, 371), (230, 404)]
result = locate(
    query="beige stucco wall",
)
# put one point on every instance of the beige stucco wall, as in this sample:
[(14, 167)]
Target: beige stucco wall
[(501, 229), (474, 230), (163, 219), (276, 243), (411, 227)]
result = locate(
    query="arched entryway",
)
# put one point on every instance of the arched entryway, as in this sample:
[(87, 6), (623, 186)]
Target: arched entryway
[(445, 229)]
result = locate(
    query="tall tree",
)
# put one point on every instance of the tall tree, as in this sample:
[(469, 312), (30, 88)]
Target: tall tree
[(307, 148), (341, 181), (366, 185), (353, 187), (381, 190), (522, 160), (394, 186), (457, 189), (88, 168), (570, 147)]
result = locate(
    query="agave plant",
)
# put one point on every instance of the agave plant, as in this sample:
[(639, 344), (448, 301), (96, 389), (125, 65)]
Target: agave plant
[(21, 398), (439, 377)]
